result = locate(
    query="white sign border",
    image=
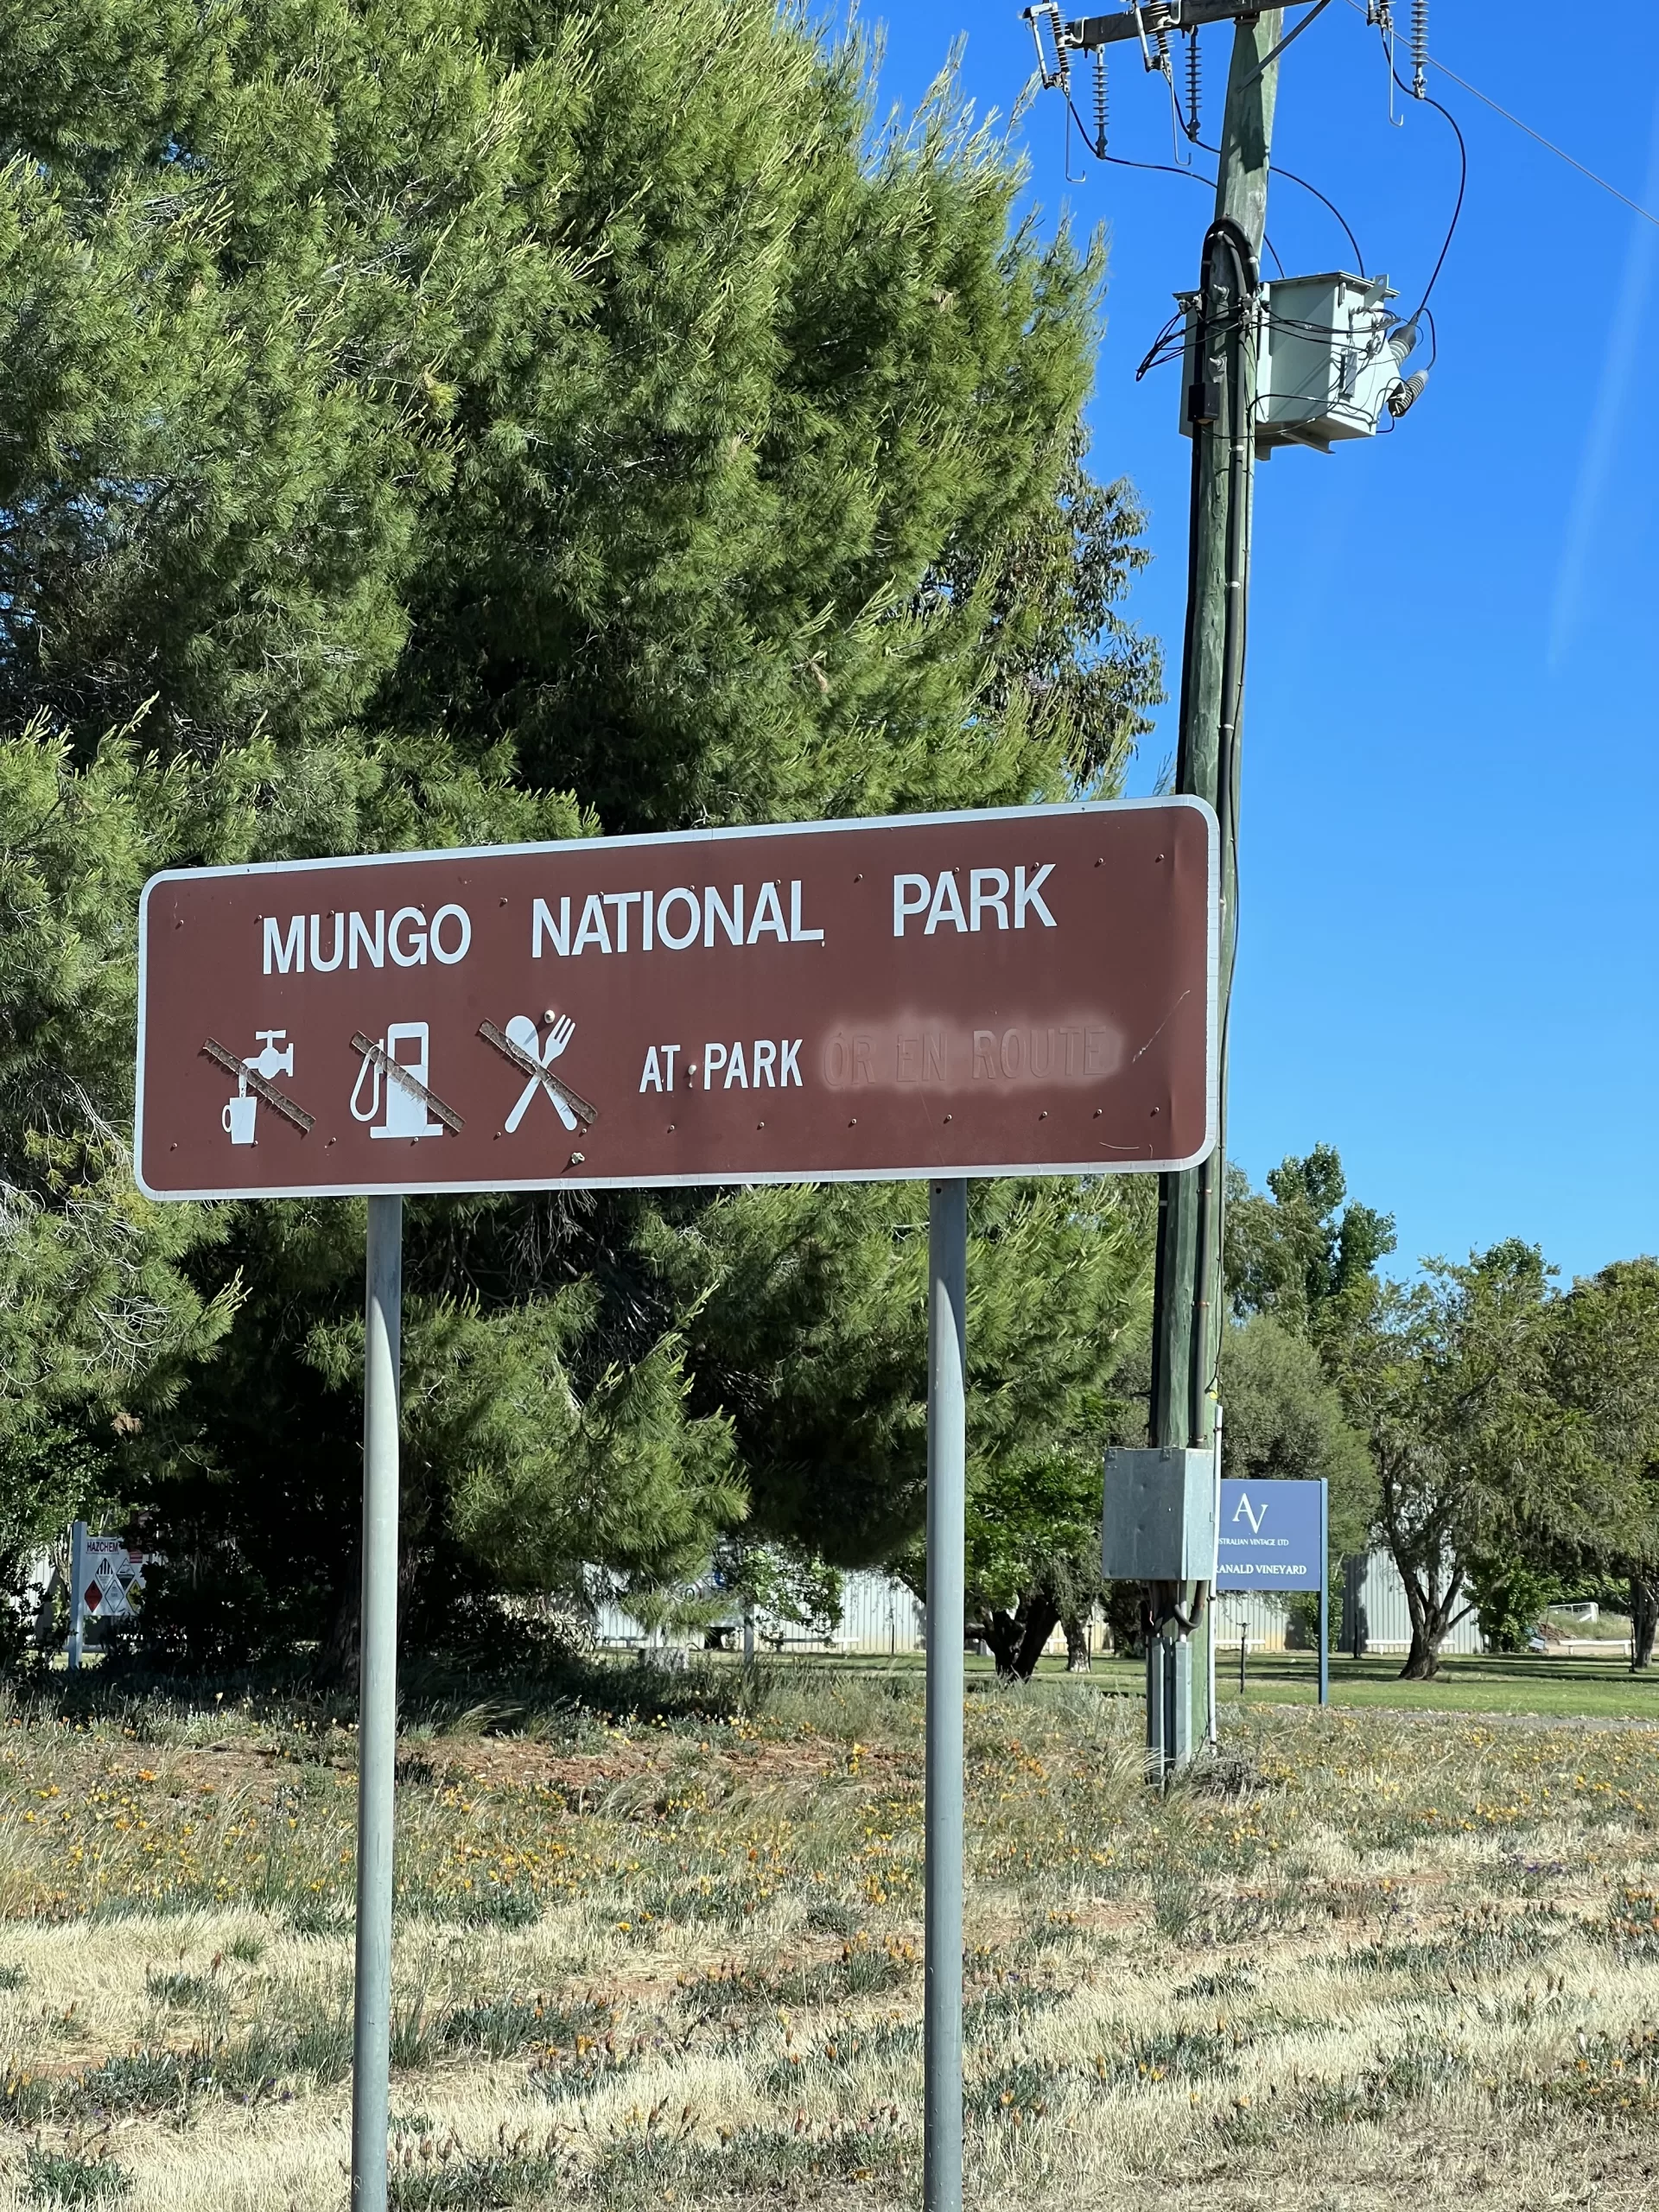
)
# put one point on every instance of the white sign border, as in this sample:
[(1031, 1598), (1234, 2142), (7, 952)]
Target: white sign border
[(420, 1188)]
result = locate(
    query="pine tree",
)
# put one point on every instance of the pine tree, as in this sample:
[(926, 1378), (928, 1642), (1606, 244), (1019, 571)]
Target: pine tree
[(469, 422)]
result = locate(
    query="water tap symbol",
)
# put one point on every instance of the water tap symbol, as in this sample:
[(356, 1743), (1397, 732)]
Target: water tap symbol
[(270, 1062)]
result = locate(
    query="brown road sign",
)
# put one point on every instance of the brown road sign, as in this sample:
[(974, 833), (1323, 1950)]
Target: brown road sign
[(1027, 991)]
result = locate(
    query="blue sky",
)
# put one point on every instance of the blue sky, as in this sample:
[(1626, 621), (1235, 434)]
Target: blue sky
[(1451, 775)]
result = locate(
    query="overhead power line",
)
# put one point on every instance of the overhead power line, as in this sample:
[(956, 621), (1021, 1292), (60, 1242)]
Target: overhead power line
[(1635, 206), (1548, 144)]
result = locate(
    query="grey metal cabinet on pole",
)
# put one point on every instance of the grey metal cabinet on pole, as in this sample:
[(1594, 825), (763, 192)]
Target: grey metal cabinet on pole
[(377, 1738), (947, 1457)]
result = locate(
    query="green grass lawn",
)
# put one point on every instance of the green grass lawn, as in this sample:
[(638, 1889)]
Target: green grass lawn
[(1596, 1688)]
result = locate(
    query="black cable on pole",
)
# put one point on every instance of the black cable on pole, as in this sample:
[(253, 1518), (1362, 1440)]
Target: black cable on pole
[(1225, 319), (1169, 168), (1236, 563), (1457, 211), (1291, 177), (1427, 100)]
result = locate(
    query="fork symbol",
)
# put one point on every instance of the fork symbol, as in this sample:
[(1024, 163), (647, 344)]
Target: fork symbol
[(522, 1032)]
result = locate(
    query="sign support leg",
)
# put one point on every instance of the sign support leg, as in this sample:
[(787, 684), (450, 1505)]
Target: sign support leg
[(77, 1584), (1212, 1619), (1324, 1590), (377, 1738), (947, 1452)]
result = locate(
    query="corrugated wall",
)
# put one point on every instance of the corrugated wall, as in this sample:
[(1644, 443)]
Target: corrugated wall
[(1384, 1622), (879, 1614), (1372, 1588)]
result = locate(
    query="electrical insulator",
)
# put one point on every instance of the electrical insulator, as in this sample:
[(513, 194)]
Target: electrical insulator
[(1061, 55), (1102, 104), (1194, 76), (1419, 48)]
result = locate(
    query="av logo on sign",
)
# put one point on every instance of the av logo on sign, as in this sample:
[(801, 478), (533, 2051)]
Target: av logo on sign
[(1255, 1515), (1271, 1536)]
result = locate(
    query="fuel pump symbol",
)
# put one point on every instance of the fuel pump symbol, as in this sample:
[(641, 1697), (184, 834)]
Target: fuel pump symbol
[(405, 1044)]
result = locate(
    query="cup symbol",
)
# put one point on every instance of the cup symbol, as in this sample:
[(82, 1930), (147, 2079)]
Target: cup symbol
[(237, 1118)]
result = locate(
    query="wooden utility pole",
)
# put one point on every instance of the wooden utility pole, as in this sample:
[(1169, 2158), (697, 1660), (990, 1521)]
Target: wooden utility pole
[(1220, 404), (1313, 403), (1221, 395)]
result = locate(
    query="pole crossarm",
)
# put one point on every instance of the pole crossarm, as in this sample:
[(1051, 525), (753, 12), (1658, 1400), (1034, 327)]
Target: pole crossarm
[(1085, 33)]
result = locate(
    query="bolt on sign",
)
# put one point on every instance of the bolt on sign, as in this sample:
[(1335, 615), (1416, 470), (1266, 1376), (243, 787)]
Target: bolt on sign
[(1022, 991)]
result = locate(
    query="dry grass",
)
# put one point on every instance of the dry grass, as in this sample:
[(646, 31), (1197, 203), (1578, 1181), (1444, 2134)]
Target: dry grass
[(673, 1956)]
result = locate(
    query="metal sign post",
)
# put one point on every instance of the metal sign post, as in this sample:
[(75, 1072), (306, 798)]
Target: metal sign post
[(1325, 1592), (947, 1457), (1026, 990), (1212, 1626), (77, 1584), (376, 1723)]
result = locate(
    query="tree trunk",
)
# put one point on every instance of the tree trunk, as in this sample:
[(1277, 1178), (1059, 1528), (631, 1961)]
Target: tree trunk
[(1077, 1661), (1041, 1620), (1126, 1608), (1423, 1659), (1017, 1639), (1644, 1619), (1001, 1632), (1432, 1617)]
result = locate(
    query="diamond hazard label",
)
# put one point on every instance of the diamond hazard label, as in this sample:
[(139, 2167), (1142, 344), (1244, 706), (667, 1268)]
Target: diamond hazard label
[(113, 1579)]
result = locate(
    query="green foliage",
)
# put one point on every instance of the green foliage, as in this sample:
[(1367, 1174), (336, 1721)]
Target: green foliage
[(1607, 1369), (1456, 1385), (1306, 1253), (1058, 1306), (452, 423), (1511, 1599), (783, 1580), (809, 1330), (99, 1324), (606, 385), (622, 1474), (806, 1325), (1285, 1422), (68, 2177)]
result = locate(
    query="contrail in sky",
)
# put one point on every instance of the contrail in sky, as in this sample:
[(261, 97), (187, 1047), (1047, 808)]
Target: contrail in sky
[(1611, 418)]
